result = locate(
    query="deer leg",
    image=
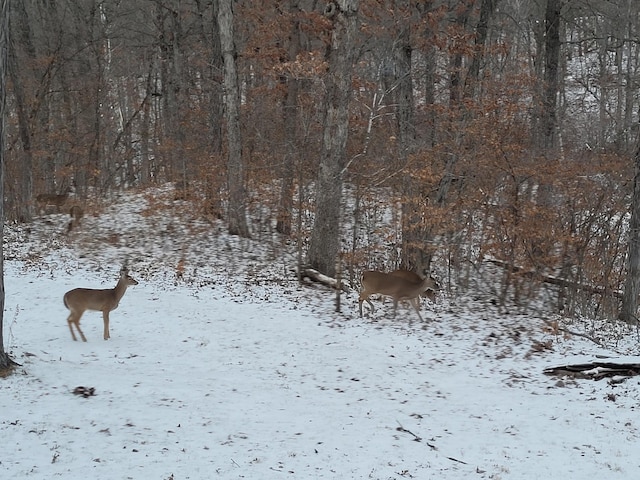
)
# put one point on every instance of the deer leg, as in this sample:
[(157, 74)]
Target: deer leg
[(74, 319), (361, 299), (371, 305), (84, 339), (105, 317), (416, 305), (70, 322)]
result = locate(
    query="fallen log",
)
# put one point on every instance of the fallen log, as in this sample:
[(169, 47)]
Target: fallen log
[(318, 277), (597, 369)]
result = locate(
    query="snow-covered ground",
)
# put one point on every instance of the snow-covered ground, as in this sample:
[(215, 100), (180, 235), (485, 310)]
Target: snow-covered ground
[(234, 371)]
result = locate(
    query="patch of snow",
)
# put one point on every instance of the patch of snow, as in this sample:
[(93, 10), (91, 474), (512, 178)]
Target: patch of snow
[(232, 370)]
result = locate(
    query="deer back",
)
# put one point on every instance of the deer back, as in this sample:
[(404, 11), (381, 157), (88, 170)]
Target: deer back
[(432, 284), (393, 286), (81, 299)]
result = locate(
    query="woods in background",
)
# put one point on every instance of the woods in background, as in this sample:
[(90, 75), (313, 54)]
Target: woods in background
[(412, 131)]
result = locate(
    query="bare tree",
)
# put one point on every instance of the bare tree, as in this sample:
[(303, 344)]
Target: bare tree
[(325, 239), (413, 232), (235, 165), (290, 109), (5, 361), (24, 191), (632, 282), (551, 74)]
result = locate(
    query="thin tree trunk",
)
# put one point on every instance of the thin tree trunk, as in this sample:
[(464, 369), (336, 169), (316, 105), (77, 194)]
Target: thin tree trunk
[(413, 229), (325, 239), (290, 128), (430, 81), (632, 282), (214, 177), (5, 361), (235, 165), (23, 209), (482, 30), (455, 78), (551, 74), (145, 161)]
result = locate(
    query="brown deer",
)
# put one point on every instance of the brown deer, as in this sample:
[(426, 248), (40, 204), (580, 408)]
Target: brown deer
[(105, 300), (53, 200), (394, 286)]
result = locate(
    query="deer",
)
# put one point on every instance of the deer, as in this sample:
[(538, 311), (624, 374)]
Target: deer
[(395, 286), (105, 300), (53, 199)]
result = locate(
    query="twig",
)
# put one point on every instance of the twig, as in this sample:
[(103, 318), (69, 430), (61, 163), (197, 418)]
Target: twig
[(419, 439), (456, 460), (402, 429)]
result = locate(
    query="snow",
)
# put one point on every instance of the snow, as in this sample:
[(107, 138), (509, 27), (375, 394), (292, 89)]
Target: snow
[(231, 372)]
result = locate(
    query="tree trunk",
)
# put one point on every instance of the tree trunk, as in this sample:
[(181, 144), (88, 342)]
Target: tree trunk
[(414, 256), (214, 177), (5, 361), (290, 113), (235, 166), (23, 210), (551, 74), (632, 282), (455, 87), (482, 30), (430, 76), (170, 71), (325, 239)]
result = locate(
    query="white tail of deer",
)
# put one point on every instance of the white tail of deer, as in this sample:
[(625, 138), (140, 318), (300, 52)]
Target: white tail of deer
[(395, 286), (105, 300), (54, 200)]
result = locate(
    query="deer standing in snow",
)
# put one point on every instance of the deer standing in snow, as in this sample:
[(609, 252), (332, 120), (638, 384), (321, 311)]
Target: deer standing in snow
[(395, 285), (104, 300)]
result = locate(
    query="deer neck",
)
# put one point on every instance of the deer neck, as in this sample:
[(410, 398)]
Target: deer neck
[(121, 287)]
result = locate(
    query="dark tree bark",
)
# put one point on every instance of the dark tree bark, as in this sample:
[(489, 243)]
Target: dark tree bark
[(171, 71), (325, 238), (290, 112), (632, 282), (414, 255), (482, 30), (214, 178), (24, 190), (5, 361), (455, 79), (235, 165), (551, 74), (430, 77)]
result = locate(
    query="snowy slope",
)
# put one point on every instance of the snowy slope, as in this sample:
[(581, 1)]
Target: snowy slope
[(234, 371)]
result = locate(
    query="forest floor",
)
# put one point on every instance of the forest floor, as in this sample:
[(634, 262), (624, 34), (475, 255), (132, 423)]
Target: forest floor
[(221, 365)]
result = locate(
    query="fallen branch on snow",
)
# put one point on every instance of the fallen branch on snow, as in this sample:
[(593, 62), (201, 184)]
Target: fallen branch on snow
[(316, 276), (597, 370)]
